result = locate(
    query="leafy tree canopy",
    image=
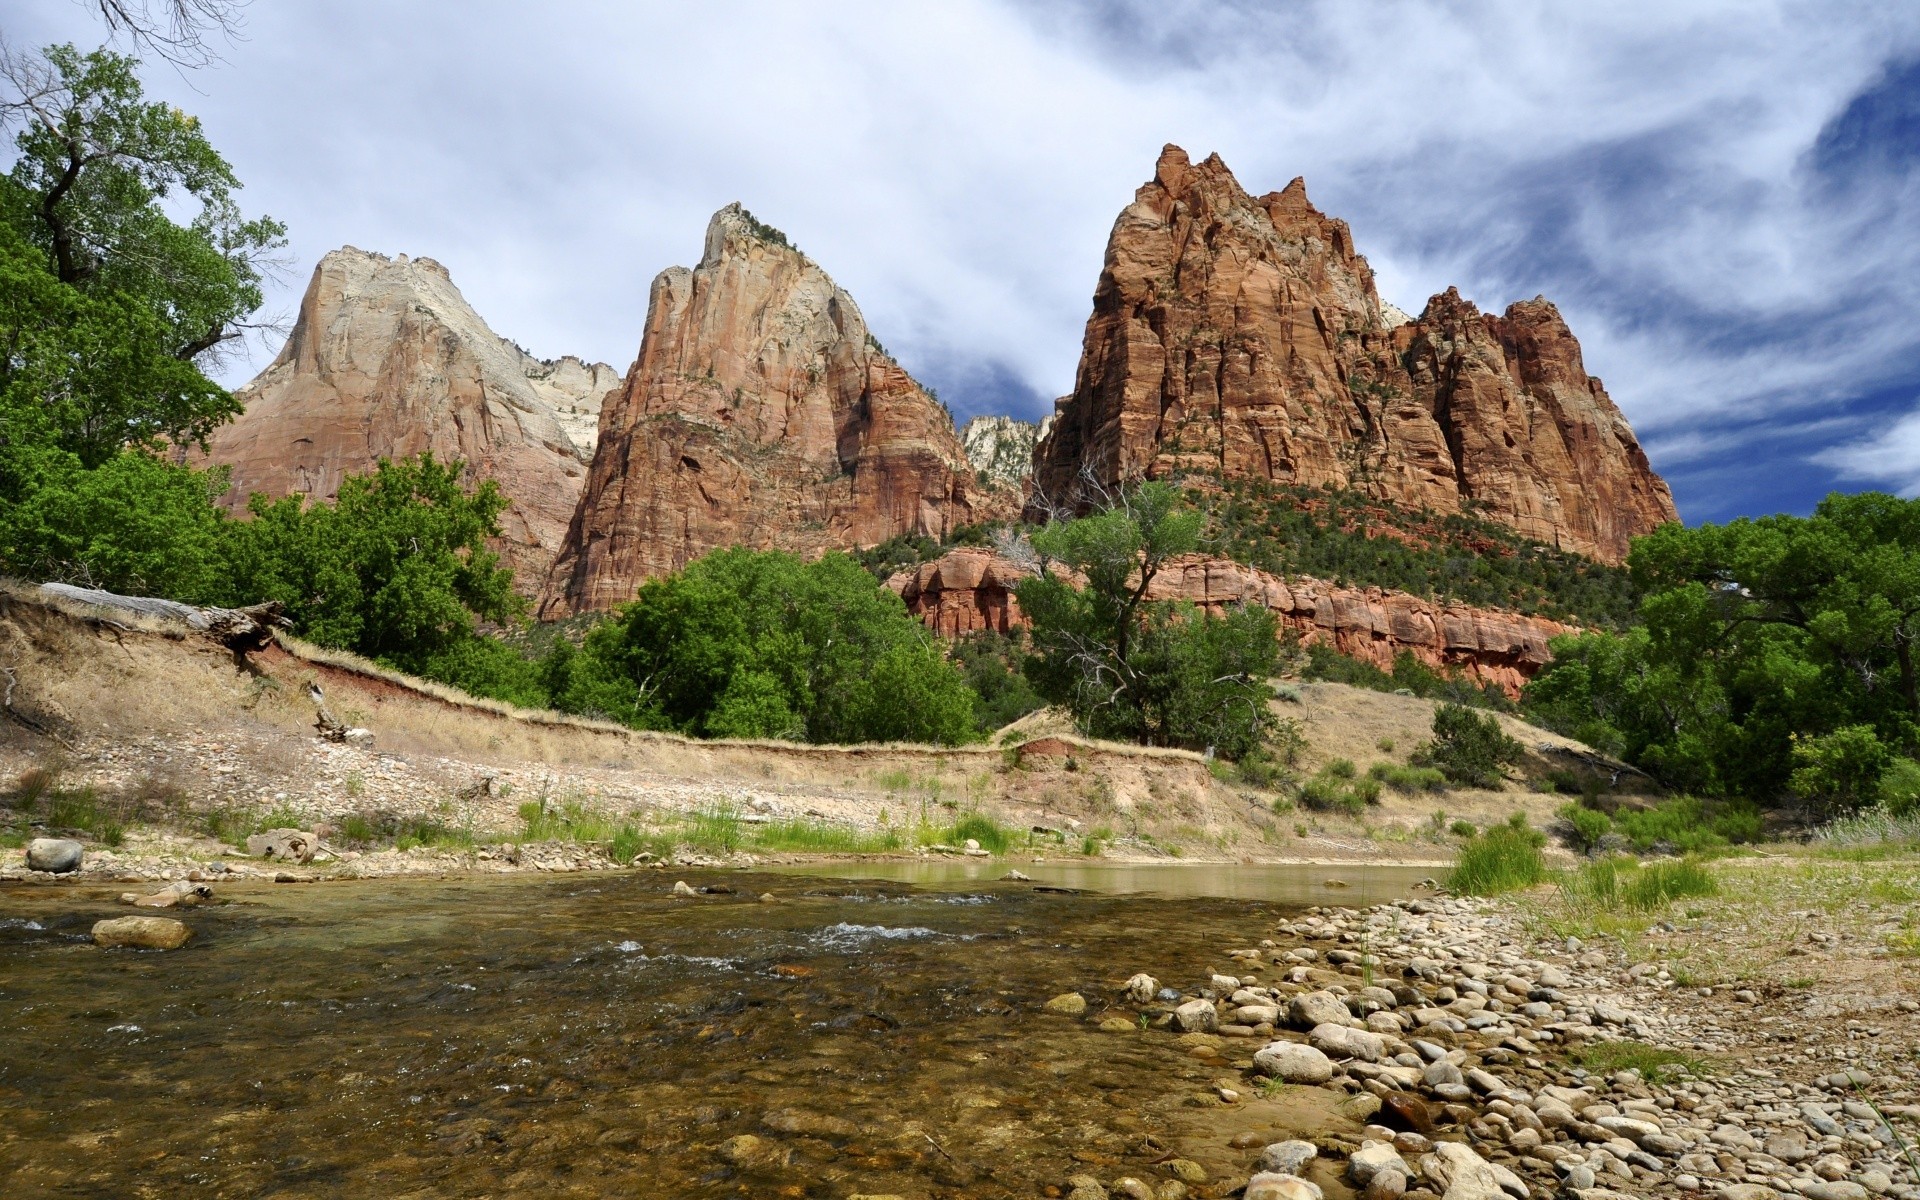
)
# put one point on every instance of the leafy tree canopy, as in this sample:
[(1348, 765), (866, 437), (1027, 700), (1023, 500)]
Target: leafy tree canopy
[(1777, 655), (109, 301), (751, 643)]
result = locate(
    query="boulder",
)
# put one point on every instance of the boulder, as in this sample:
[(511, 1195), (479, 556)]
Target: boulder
[(1068, 1004), (1372, 1158), (55, 856), (1316, 1008), (284, 845), (1196, 1016), (1291, 1062), (1270, 1185), (1342, 1041), (1457, 1173), (1142, 988), (1286, 1158), (140, 933)]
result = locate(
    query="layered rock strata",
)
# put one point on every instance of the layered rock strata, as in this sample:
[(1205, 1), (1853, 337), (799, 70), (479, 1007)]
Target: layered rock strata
[(1244, 335), (386, 360), (968, 590), (760, 412)]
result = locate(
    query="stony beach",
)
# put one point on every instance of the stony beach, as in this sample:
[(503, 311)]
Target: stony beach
[(1458, 1027)]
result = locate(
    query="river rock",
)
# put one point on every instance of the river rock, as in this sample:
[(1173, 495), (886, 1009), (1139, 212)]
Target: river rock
[(284, 845), (1271, 1185), (1286, 1158), (1068, 1004), (1196, 1016), (1290, 1062), (1142, 988), (1789, 1147), (1831, 1189), (55, 856), (1342, 1041), (1387, 1185), (683, 888), (1316, 1008), (1407, 1112), (1131, 1189), (141, 933), (1747, 1191), (1457, 1173), (1373, 1158)]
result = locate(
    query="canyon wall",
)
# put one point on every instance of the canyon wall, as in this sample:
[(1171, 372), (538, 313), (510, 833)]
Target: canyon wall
[(761, 412), (387, 360), (1244, 335), (969, 590)]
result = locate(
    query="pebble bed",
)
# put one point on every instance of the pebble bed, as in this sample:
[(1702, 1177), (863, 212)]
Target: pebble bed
[(1455, 1032)]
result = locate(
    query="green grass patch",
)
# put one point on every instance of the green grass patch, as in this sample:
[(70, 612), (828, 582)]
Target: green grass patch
[(812, 836), (1506, 858), (1619, 884), (1656, 1064)]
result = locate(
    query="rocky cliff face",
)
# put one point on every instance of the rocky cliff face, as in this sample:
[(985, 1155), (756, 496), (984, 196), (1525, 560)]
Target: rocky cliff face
[(967, 590), (761, 413), (386, 360), (1244, 335), (1001, 448)]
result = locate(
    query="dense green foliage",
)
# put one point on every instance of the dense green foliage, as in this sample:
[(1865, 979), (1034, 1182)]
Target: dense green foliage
[(747, 643), (1682, 825), (991, 663), (1347, 538), (1469, 748), (1137, 670), (906, 551), (106, 300), (1776, 658)]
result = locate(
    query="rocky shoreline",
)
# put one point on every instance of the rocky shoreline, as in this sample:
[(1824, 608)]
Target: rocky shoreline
[(1457, 1028)]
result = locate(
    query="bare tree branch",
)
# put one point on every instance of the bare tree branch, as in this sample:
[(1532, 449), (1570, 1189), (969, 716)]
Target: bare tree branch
[(179, 31)]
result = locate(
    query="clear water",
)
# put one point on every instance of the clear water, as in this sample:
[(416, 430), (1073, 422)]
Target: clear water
[(593, 1036)]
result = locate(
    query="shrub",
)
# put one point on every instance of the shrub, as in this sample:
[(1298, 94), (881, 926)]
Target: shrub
[(991, 834), (1585, 826), (1463, 828), (1617, 883), (1686, 825), (1505, 858), (1408, 779), (1339, 768), (1900, 788), (1469, 748), (1839, 772), (1338, 788)]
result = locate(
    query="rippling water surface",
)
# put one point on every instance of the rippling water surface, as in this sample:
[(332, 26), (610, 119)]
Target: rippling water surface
[(593, 1036)]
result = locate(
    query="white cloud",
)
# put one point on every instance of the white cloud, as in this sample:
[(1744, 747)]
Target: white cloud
[(1890, 457), (957, 166)]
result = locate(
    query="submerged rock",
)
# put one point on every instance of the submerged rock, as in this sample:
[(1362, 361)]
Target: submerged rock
[(141, 933), (1068, 1004)]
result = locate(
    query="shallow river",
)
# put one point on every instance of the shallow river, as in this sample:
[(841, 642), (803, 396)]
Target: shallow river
[(592, 1036)]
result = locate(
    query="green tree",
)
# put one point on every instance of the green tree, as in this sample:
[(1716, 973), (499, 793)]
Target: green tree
[(1469, 748), (1134, 669), (397, 568), (1758, 636), (747, 643), (127, 299)]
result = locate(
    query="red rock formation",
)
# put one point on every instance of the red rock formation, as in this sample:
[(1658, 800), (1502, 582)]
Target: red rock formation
[(760, 412), (1244, 335), (386, 360), (967, 590)]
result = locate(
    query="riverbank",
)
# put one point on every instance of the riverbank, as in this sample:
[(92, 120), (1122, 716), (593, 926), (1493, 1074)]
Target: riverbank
[(1757, 1042)]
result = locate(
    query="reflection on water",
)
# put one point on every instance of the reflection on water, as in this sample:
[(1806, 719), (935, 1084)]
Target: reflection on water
[(592, 1036), (1345, 883)]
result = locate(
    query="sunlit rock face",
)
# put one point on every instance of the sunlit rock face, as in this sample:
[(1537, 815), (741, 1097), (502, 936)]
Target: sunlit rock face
[(760, 412), (387, 360), (1244, 335)]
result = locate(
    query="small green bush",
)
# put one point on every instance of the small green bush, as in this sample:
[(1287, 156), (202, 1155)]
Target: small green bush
[(1840, 772), (991, 834), (1505, 858), (1410, 780), (1900, 788), (1340, 788), (1686, 825), (1586, 826), (1465, 829), (1469, 748), (1618, 883), (1339, 768)]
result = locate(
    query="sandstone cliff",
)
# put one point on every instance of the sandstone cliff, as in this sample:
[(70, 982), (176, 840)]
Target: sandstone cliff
[(760, 412), (386, 360), (1244, 335), (967, 590)]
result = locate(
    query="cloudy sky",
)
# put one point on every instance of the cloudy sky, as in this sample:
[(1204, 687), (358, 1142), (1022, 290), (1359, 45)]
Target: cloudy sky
[(1723, 198)]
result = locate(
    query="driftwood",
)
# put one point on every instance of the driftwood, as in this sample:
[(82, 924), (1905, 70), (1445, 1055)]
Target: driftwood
[(249, 628)]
